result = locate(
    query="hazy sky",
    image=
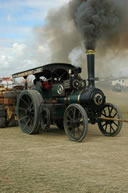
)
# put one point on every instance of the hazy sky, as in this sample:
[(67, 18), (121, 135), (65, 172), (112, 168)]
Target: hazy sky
[(18, 18)]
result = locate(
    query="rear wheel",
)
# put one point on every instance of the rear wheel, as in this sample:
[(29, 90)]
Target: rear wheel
[(75, 122), (28, 104)]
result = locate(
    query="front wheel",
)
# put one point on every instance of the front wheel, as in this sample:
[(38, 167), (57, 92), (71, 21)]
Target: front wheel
[(110, 127), (75, 122)]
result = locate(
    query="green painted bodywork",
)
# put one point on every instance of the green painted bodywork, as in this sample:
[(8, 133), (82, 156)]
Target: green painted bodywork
[(54, 91), (62, 101), (53, 94), (70, 99), (59, 110), (73, 98)]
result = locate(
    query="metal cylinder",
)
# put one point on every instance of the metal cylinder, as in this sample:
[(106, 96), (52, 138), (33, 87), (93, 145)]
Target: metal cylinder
[(91, 67)]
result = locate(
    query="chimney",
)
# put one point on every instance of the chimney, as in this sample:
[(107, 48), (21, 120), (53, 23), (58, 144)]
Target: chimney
[(91, 67)]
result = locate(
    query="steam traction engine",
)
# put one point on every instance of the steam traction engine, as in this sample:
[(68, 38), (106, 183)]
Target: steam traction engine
[(60, 96)]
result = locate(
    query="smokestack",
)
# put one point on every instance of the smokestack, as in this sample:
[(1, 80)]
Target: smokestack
[(91, 67)]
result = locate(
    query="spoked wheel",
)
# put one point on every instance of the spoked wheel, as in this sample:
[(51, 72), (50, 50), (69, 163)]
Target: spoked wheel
[(28, 104), (110, 127), (75, 122)]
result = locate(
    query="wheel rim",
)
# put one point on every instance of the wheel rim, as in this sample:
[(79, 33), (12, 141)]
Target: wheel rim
[(110, 127), (75, 123)]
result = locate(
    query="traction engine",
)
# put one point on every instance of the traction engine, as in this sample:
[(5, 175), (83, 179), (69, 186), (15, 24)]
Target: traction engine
[(61, 97)]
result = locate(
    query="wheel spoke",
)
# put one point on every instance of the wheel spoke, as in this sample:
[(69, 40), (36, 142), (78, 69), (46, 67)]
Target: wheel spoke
[(114, 115), (22, 109), (104, 124), (74, 114), (26, 124), (112, 128), (111, 110), (105, 127), (68, 115), (24, 102), (104, 112), (22, 118), (31, 121), (31, 106), (115, 124)]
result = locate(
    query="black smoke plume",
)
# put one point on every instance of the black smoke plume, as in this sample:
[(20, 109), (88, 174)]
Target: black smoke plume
[(101, 23), (100, 20)]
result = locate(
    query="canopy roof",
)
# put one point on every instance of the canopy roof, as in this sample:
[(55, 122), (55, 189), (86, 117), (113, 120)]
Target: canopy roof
[(49, 70)]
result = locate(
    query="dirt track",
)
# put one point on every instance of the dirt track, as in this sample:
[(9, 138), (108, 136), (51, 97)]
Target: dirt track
[(50, 163)]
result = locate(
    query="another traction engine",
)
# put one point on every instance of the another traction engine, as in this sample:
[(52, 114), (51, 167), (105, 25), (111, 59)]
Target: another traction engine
[(60, 96)]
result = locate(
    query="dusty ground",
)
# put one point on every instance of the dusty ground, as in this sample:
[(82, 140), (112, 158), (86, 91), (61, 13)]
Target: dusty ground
[(50, 163)]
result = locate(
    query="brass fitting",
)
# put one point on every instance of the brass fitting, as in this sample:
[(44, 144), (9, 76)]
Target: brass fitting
[(90, 51)]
